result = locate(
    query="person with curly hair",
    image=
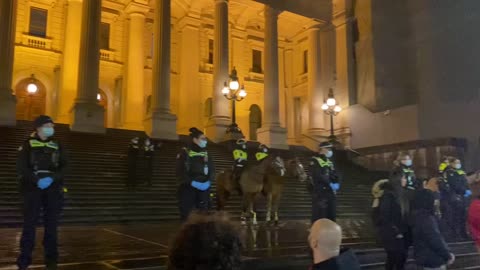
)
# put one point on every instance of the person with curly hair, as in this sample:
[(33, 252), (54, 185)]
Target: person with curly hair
[(206, 241)]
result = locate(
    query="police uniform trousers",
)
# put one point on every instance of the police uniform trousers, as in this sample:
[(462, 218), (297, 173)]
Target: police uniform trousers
[(34, 200), (191, 199), (324, 205), (457, 219)]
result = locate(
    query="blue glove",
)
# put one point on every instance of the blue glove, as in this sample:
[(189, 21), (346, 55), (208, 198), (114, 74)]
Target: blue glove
[(201, 186), (468, 193), (45, 182), (335, 186)]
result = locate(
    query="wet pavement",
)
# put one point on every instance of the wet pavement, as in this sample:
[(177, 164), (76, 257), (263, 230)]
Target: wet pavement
[(145, 246)]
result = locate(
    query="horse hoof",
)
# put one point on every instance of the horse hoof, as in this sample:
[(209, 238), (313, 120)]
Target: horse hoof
[(276, 222)]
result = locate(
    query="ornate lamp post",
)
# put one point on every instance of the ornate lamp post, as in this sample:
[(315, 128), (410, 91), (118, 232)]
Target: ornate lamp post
[(232, 91), (330, 107)]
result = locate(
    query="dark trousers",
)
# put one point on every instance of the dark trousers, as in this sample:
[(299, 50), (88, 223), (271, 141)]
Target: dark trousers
[(51, 201), (192, 199), (132, 172), (148, 170), (396, 260), (454, 217), (324, 205)]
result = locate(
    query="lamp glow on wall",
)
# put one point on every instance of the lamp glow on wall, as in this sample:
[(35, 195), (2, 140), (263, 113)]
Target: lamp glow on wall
[(232, 91), (331, 108), (32, 87)]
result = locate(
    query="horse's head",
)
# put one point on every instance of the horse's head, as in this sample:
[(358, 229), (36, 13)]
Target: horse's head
[(296, 169), (278, 166)]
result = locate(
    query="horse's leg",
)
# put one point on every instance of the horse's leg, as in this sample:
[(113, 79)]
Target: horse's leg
[(243, 216), (221, 196), (269, 207), (276, 203), (251, 201), (254, 236)]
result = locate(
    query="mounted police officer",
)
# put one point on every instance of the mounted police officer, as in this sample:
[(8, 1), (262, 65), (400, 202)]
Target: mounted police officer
[(240, 157), (325, 184), (41, 166), (262, 153), (195, 170)]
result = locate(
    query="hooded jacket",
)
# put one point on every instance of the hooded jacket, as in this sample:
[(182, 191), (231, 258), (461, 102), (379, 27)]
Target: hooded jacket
[(345, 261), (430, 249)]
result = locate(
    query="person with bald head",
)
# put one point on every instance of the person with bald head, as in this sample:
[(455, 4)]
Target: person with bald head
[(325, 240)]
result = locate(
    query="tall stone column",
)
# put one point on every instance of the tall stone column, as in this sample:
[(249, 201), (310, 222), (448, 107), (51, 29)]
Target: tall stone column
[(134, 105), (87, 114), (316, 94), (271, 133), (189, 113), (69, 70), (161, 123), (7, 47), (220, 120)]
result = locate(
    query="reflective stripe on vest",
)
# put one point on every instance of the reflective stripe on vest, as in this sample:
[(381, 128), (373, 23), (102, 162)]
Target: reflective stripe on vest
[(237, 154), (38, 144), (461, 172), (323, 163), (192, 153), (261, 155)]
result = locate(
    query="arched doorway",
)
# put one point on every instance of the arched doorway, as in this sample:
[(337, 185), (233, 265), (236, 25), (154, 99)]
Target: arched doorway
[(30, 102), (103, 101), (255, 121)]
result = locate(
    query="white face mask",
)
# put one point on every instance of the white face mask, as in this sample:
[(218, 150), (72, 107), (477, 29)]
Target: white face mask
[(458, 166), (244, 146), (265, 150), (329, 154), (202, 143), (407, 162)]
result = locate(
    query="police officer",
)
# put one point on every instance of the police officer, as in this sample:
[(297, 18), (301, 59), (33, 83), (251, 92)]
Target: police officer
[(262, 152), (403, 166), (240, 158), (148, 151), (325, 183), (195, 171), (41, 166), (133, 149), (456, 199)]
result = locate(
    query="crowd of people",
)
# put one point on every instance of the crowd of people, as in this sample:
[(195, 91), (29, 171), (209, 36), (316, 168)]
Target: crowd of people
[(424, 214)]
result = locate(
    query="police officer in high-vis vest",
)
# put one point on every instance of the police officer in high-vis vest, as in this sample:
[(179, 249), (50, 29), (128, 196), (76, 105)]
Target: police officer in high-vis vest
[(41, 167), (403, 166), (240, 158), (262, 153), (456, 199), (325, 183), (195, 171)]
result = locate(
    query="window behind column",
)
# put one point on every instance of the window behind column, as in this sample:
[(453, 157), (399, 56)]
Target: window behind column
[(105, 36), (257, 61), (210, 51), (305, 61), (38, 22)]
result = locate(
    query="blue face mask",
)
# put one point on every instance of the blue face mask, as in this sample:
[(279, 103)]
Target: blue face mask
[(202, 143), (48, 131), (408, 162), (329, 154)]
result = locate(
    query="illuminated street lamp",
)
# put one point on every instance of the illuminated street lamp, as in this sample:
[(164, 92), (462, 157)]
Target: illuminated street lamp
[(232, 91), (330, 107), (32, 87)]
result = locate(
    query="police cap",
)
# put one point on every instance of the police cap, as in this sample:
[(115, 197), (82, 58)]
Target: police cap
[(42, 120)]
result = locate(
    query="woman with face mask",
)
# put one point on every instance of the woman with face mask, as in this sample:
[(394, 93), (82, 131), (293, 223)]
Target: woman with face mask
[(195, 171), (455, 198)]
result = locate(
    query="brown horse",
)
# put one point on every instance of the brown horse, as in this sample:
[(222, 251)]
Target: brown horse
[(273, 184), (250, 184), (266, 177)]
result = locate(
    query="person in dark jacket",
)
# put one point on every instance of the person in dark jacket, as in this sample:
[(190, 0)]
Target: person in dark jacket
[(454, 199), (41, 168), (148, 153), (394, 231), (325, 239), (133, 150), (403, 166), (324, 180), (195, 171), (430, 249)]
